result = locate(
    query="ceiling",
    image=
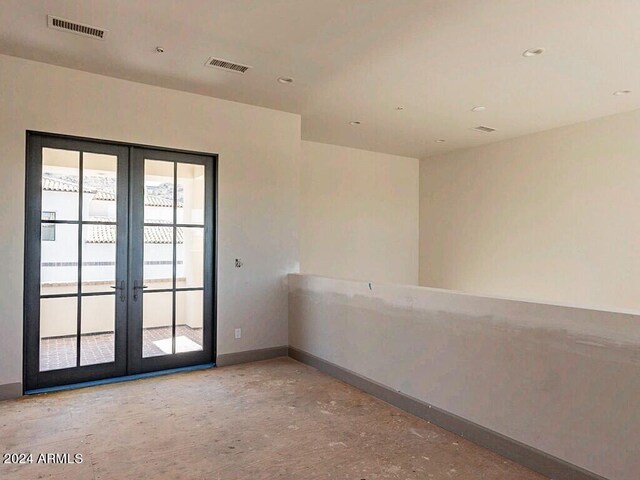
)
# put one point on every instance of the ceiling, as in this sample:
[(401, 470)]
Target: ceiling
[(356, 60)]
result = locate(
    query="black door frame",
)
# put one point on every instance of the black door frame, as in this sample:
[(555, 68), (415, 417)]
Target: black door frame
[(32, 377), (137, 363)]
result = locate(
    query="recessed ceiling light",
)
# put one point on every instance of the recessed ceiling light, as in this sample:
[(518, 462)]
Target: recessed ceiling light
[(354, 123), (479, 108), (622, 92), (533, 52), (286, 80), (440, 141), (159, 49)]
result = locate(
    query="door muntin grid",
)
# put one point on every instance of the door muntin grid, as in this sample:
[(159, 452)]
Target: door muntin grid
[(173, 258)]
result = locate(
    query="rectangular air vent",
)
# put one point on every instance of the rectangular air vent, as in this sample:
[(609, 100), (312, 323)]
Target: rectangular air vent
[(227, 65), (484, 129), (90, 31)]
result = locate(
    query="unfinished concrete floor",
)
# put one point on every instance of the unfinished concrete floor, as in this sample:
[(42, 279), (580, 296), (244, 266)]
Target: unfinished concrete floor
[(276, 419)]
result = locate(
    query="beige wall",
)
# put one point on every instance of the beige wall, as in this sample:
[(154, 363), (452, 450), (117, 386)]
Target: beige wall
[(552, 216), (563, 380), (359, 214), (258, 186)]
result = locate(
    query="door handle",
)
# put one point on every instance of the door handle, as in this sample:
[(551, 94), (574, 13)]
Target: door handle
[(122, 289), (137, 287)]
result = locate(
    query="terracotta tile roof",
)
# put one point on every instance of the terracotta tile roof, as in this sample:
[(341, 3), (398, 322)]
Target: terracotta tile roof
[(152, 235), (149, 200), (158, 201), (104, 195), (55, 185)]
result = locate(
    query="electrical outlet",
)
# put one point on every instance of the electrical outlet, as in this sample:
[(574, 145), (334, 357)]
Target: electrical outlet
[(239, 263), (238, 333)]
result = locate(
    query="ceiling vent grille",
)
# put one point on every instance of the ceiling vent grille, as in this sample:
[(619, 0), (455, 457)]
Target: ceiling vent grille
[(226, 65), (484, 129), (90, 31)]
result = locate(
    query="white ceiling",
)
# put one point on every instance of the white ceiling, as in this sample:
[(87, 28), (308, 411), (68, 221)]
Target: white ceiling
[(358, 60)]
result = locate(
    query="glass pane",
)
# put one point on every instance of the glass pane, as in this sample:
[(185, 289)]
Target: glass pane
[(158, 190), (190, 257), (48, 229), (157, 310), (189, 317), (60, 185), (58, 322), (98, 258), (99, 177), (158, 257), (98, 336), (190, 193), (59, 259)]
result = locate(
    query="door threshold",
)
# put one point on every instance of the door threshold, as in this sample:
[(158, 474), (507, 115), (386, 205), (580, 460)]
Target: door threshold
[(126, 378)]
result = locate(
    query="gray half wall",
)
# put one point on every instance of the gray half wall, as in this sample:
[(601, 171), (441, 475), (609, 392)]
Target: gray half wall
[(561, 380), (518, 452), (10, 391)]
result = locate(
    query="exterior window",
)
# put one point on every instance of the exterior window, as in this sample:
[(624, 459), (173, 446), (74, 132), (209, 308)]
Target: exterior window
[(48, 230)]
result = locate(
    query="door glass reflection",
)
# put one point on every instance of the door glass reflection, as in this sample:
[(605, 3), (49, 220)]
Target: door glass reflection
[(189, 318), (158, 257), (158, 191), (190, 194), (98, 335), (157, 314), (190, 257), (98, 258), (58, 327), (60, 184), (99, 181), (59, 259)]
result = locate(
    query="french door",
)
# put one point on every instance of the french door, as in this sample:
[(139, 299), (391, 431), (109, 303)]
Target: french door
[(119, 260)]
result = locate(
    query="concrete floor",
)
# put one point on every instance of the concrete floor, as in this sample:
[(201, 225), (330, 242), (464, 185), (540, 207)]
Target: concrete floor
[(276, 419)]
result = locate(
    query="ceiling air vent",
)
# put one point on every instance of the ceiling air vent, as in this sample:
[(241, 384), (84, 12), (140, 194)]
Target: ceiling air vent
[(226, 65), (58, 23), (484, 129)]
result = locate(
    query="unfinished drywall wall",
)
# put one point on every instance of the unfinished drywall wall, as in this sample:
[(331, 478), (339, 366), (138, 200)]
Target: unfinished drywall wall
[(258, 180), (551, 216), (563, 380), (359, 214)]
